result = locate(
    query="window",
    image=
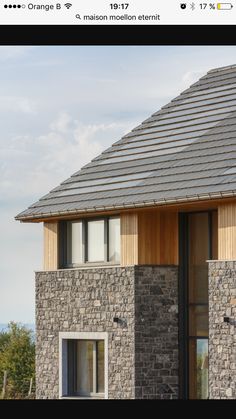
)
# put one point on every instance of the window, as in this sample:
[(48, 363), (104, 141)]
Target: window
[(83, 369), (96, 248), (74, 243), (114, 239), (197, 244), (89, 241)]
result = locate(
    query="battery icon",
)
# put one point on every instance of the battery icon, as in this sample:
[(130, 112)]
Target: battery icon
[(224, 6)]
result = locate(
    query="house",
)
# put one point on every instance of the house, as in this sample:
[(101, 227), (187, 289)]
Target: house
[(137, 297)]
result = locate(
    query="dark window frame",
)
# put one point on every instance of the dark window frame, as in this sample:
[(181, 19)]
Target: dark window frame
[(63, 242)]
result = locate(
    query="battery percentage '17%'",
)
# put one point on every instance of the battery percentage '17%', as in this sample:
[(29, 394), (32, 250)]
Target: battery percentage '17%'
[(211, 6)]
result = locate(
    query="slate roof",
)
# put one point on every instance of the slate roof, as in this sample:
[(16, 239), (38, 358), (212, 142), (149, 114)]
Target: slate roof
[(185, 151)]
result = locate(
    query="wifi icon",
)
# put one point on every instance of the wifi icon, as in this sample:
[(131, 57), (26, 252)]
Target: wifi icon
[(68, 5)]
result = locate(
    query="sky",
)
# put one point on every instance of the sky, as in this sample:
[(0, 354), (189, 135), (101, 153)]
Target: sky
[(59, 108)]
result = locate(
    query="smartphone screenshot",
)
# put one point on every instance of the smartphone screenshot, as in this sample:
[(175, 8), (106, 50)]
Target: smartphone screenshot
[(117, 200)]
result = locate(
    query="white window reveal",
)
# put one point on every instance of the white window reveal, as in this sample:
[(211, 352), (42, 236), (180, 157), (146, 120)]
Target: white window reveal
[(114, 240), (83, 365), (74, 243), (96, 241)]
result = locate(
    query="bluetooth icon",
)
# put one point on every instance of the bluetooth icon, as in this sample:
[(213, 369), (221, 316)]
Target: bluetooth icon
[(192, 6)]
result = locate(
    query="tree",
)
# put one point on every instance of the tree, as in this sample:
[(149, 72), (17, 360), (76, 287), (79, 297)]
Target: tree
[(17, 357)]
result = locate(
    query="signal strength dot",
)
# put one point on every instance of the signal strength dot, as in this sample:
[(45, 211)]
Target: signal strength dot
[(12, 6)]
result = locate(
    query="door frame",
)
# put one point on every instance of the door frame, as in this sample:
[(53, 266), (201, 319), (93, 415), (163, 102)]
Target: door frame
[(183, 297)]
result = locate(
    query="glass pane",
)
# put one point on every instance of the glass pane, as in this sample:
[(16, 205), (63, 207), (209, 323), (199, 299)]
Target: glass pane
[(198, 285), (114, 240), (100, 366), (198, 254), (198, 320), (96, 248), (74, 242), (84, 367), (198, 369)]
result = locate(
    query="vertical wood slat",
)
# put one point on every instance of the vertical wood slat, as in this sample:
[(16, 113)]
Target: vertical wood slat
[(129, 239), (149, 238), (214, 235), (50, 246), (158, 238), (169, 238), (227, 232)]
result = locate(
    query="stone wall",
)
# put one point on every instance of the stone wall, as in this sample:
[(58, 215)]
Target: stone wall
[(156, 332), (222, 335), (85, 301), (142, 350)]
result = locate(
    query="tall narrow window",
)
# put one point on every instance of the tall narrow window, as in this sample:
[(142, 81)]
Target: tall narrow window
[(96, 234), (114, 240), (199, 247), (74, 243), (198, 243)]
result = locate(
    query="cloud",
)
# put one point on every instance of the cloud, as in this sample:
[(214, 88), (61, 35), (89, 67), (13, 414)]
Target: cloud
[(17, 104), (31, 166), (192, 77), (9, 53), (62, 123)]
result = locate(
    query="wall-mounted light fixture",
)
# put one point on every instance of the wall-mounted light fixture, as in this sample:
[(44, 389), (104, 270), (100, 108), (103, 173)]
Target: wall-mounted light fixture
[(122, 322), (230, 321)]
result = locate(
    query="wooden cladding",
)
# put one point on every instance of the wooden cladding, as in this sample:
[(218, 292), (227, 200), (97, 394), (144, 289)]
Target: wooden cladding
[(50, 246), (169, 238), (152, 237), (129, 239), (214, 235), (158, 238), (149, 238), (227, 232)]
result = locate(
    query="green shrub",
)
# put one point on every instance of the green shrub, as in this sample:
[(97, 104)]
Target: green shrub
[(17, 357)]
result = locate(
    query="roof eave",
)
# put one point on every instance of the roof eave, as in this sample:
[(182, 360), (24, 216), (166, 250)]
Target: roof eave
[(151, 203)]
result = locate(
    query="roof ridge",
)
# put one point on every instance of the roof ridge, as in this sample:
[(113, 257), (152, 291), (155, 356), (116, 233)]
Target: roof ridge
[(218, 69)]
